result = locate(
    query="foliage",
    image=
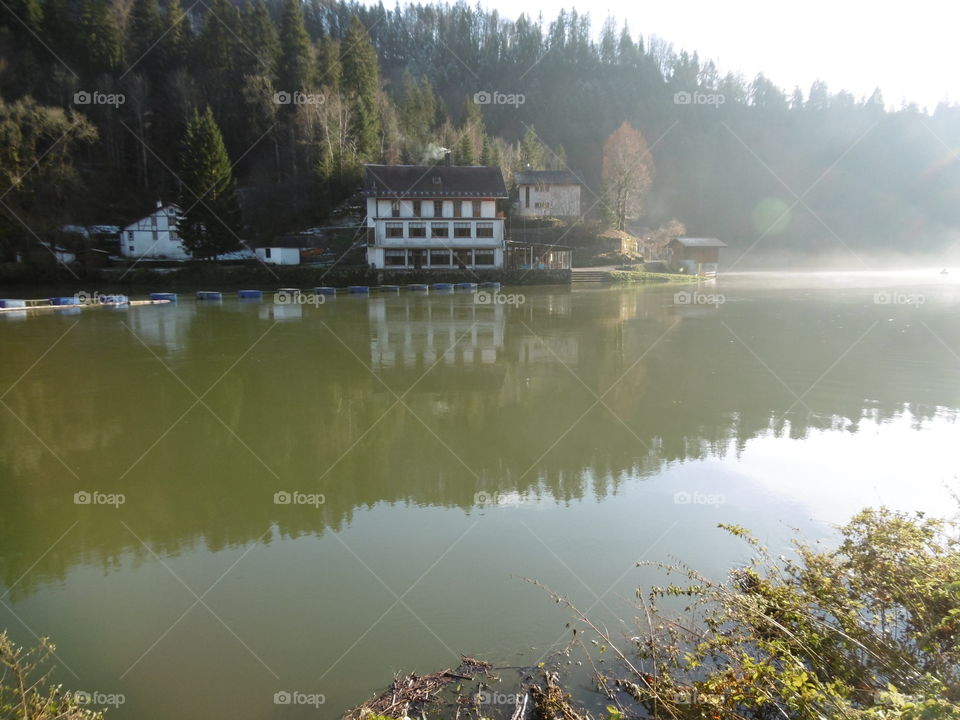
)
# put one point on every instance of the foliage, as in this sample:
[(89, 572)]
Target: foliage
[(870, 629), (208, 199), (627, 173), (26, 692)]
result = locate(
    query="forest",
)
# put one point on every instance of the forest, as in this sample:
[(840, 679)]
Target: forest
[(262, 112)]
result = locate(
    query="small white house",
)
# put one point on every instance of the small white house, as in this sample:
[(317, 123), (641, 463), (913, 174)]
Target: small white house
[(279, 255), (547, 193), (154, 236)]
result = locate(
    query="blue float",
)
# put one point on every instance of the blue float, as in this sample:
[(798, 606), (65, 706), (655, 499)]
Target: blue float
[(13, 303), (417, 288), (443, 286), (172, 297), (466, 286), (209, 295), (359, 289), (325, 291), (389, 288), (58, 301), (250, 294), (490, 285)]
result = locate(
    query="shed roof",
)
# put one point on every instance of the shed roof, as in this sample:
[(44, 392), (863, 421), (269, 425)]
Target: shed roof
[(547, 177), (440, 181), (700, 242)]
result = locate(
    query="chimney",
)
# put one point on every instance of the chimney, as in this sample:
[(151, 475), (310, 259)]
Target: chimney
[(159, 204), (446, 158)]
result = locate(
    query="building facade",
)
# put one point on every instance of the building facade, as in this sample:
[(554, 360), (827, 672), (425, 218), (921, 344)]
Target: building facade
[(154, 236), (434, 217), (547, 193), (279, 255), (694, 256)]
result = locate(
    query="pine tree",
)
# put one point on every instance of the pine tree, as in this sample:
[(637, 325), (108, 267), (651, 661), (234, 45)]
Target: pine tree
[(100, 46), (260, 36), (531, 151), (296, 71), (208, 195), (329, 68), (463, 153), (145, 28), (361, 80), (174, 46), (486, 154)]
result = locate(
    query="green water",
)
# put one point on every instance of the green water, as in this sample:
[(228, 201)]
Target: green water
[(458, 448)]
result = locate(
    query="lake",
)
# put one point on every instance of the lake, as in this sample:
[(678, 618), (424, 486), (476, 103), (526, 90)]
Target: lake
[(205, 504)]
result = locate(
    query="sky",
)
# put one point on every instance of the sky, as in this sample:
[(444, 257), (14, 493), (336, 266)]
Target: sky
[(908, 49)]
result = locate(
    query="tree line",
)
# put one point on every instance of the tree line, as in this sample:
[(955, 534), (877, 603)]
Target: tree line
[(97, 100)]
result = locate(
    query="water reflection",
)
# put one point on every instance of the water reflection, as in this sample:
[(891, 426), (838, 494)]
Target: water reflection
[(422, 400)]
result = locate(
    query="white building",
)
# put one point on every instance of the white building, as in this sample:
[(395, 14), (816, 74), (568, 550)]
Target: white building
[(154, 236), (279, 255), (548, 193), (439, 217)]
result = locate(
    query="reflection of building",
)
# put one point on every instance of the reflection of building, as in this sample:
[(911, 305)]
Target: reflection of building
[(409, 331), (166, 326), (547, 193), (434, 217)]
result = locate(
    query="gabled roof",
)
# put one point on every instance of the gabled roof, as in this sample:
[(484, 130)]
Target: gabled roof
[(439, 181), (547, 177), (162, 209), (700, 242)]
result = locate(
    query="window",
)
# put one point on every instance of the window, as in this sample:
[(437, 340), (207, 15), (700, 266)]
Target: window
[(483, 257), (417, 208), (438, 208), (417, 230), (463, 258), (130, 235), (394, 230), (439, 258), (485, 230), (440, 230), (476, 208), (395, 208), (527, 191), (266, 253), (461, 230), (131, 249), (394, 257), (457, 208)]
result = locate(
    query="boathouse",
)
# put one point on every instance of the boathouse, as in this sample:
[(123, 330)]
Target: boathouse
[(694, 255)]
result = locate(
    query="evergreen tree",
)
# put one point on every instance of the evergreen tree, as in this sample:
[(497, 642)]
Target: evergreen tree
[(296, 71), (361, 80), (329, 68), (463, 153), (211, 209), (531, 151), (99, 44), (174, 46), (143, 31), (486, 153), (260, 36)]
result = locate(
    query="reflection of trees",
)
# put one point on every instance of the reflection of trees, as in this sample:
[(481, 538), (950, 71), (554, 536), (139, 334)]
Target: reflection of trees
[(300, 400)]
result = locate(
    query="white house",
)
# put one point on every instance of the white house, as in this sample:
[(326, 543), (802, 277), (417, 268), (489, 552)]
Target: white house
[(434, 217), (279, 255), (548, 193), (154, 236)]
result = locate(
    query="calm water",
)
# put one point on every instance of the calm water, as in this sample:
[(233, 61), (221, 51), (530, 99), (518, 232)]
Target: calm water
[(458, 448)]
